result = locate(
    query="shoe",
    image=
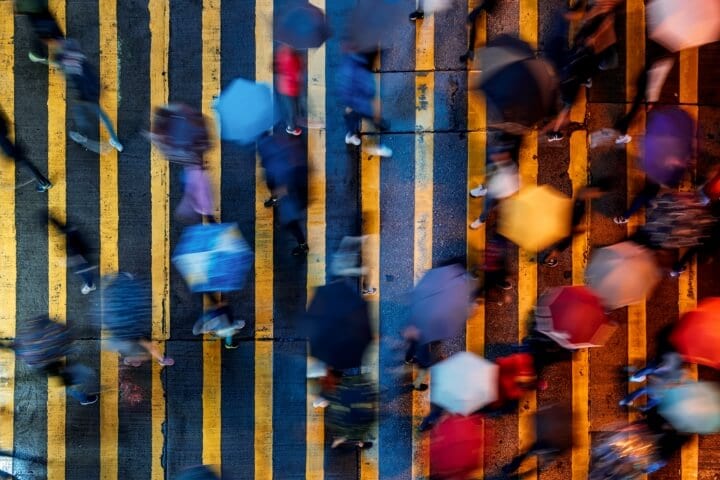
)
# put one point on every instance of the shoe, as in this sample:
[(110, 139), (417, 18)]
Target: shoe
[(477, 223), (620, 220), (352, 139), (43, 187), (293, 131), (270, 202), (116, 145), (301, 249), (504, 285), (380, 151), (551, 262), (676, 272), (421, 388), (623, 139), (424, 427), (369, 291), (89, 400), (36, 59), (78, 137), (320, 403), (637, 378), (230, 345), (131, 363), (479, 191), (555, 137), (87, 289), (467, 56), (166, 362), (587, 83), (625, 403), (417, 15), (364, 445)]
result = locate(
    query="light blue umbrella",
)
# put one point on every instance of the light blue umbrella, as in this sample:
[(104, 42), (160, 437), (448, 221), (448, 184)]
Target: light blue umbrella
[(692, 407), (464, 383), (245, 111), (213, 258)]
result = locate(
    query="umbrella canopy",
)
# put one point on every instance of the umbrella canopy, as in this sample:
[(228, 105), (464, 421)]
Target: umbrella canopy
[(352, 407), (678, 220), (338, 325), (125, 307), (697, 334), (245, 111), (373, 23), (213, 257), (440, 303), (536, 217), (573, 317), (668, 145), (456, 446), (464, 383), (692, 407), (622, 274), (522, 88), (678, 25), (40, 341), (303, 26), (180, 133)]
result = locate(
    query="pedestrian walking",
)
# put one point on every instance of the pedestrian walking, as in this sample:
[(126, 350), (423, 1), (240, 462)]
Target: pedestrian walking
[(218, 320), (429, 6), (660, 376), (503, 178), (420, 353), (197, 203), (180, 133), (486, 5), (44, 26), (14, 152), (347, 262), (288, 68), (78, 252)]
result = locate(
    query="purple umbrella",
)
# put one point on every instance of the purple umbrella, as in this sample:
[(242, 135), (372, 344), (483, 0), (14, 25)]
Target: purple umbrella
[(668, 145)]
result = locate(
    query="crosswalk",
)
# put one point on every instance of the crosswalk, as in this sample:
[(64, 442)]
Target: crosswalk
[(246, 410)]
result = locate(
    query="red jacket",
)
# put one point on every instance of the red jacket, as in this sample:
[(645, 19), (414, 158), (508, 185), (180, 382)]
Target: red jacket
[(515, 376), (288, 68)]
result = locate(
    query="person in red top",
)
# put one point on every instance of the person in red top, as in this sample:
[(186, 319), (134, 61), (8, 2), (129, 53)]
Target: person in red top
[(288, 72), (516, 377)]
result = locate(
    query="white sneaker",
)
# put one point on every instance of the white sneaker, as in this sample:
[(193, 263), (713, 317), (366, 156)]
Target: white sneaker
[(479, 191), (477, 223), (352, 139), (87, 289), (116, 145), (35, 59), (379, 150), (78, 137), (320, 403), (623, 139)]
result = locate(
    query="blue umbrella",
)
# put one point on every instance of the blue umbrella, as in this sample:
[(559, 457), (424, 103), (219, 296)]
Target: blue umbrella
[(245, 111), (213, 258), (303, 26)]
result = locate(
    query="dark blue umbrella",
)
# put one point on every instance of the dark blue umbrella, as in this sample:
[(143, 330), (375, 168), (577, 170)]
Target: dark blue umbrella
[(245, 111), (303, 27), (373, 24), (41, 341), (125, 307), (213, 258)]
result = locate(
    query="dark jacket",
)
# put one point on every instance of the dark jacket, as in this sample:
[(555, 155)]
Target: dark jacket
[(356, 84)]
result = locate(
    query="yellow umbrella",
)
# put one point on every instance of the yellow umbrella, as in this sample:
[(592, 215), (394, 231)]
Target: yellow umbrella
[(536, 217)]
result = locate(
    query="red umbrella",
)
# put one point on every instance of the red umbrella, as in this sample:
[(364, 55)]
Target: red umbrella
[(697, 334), (573, 317), (456, 446)]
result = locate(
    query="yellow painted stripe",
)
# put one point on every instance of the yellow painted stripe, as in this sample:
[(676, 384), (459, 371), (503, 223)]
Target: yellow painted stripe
[(212, 372), (315, 430), (160, 228), (108, 233), (8, 262), (687, 282), (57, 264), (529, 21), (423, 232), (263, 446), (580, 246)]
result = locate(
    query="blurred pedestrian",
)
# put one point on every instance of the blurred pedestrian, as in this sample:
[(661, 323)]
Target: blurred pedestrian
[(218, 320), (660, 376), (78, 252), (472, 19), (356, 84), (347, 262), (430, 6), (495, 271), (421, 354), (288, 67), (197, 203), (180, 132), (44, 26), (15, 152), (503, 178)]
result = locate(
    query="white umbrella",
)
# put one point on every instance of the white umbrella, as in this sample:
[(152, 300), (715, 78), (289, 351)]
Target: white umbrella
[(432, 6), (681, 24), (464, 383)]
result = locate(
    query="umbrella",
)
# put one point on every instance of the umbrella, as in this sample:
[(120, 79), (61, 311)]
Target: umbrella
[(697, 334), (352, 407), (573, 317), (41, 341), (625, 453), (464, 383), (338, 325), (678, 220), (245, 111), (622, 274), (678, 25), (373, 23), (692, 407), (668, 145), (180, 133), (213, 257), (125, 307), (456, 446), (440, 303), (303, 26), (524, 89), (536, 217), (432, 6)]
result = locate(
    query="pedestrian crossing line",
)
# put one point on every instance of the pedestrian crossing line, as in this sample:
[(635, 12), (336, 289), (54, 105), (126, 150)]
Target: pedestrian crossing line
[(316, 234), (580, 362), (263, 434), (159, 11), (8, 244), (109, 213), (57, 263), (423, 231), (212, 371)]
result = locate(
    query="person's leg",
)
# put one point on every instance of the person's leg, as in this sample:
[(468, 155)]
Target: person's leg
[(418, 13), (643, 198), (517, 461), (431, 419), (352, 121), (85, 272), (108, 124), (296, 231), (630, 398), (624, 122), (43, 183), (82, 114), (153, 350)]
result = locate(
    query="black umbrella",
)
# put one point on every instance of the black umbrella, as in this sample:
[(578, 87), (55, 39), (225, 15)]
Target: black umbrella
[(338, 326), (303, 27), (373, 23)]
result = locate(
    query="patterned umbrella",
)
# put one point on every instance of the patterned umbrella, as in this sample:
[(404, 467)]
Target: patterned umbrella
[(464, 383), (125, 307), (245, 110), (303, 26), (41, 341), (622, 274), (213, 258), (697, 334), (457, 446), (678, 25), (573, 317)]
